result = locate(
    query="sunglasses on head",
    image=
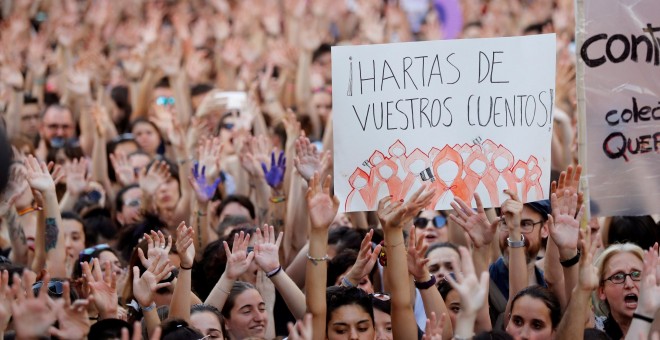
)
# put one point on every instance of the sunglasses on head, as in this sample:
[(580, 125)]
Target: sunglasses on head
[(381, 296), (55, 288), (86, 254), (124, 137), (438, 222), (164, 101)]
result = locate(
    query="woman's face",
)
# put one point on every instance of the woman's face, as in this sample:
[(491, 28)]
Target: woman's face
[(74, 239), (248, 317), (431, 233), (207, 323), (322, 104), (110, 257), (167, 195), (621, 298), (442, 261), (453, 302), (350, 322), (383, 325), (147, 137), (530, 319)]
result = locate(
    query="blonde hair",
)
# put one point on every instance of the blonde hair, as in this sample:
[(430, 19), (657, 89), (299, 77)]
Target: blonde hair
[(602, 307)]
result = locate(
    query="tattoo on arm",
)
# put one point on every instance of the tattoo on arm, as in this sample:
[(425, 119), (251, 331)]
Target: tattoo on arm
[(51, 233), (15, 228)]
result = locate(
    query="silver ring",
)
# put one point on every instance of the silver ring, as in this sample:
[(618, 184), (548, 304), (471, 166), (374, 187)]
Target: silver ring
[(162, 247)]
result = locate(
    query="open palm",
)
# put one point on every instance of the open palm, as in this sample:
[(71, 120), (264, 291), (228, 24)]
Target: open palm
[(476, 224), (321, 205), (564, 224)]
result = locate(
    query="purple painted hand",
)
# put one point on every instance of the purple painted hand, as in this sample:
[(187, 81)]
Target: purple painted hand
[(275, 175), (202, 187)]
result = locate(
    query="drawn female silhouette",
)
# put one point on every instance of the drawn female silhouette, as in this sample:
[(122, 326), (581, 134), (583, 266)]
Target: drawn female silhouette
[(474, 175), (528, 174), (361, 183), (456, 185)]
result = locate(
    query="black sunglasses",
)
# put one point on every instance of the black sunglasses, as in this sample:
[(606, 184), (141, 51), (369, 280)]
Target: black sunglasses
[(438, 222), (55, 288)]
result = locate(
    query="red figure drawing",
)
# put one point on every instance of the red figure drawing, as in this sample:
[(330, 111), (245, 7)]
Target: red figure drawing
[(454, 171)]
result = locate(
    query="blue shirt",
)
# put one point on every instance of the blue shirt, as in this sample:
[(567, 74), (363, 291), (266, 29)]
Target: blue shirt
[(499, 273)]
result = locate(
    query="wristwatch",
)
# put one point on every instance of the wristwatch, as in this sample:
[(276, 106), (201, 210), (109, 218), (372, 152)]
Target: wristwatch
[(516, 244)]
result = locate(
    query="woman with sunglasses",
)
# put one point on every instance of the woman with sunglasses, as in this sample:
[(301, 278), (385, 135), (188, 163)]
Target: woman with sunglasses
[(620, 267), (432, 224)]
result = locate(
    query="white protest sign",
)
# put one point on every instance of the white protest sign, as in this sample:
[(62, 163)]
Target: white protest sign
[(465, 116), (622, 105)]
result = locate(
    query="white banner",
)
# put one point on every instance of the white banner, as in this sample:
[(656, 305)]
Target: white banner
[(622, 102), (464, 115)]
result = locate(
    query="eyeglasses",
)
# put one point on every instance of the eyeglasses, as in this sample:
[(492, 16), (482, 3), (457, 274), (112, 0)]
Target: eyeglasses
[(55, 288), (164, 101), (620, 278), (526, 226), (438, 222), (86, 254)]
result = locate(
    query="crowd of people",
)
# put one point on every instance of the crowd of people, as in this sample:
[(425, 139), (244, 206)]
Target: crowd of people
[(170, 177)]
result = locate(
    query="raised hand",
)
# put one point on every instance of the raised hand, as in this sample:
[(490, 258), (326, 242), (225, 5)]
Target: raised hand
[(365, 260), (396, 214), (302, 330), (649, 287), (564, 224), (103, 287), (137, 332), (6, 299), (15, 188), (76, 176), (157, 246), (588, 279), (266, 249), (123, 169), (38, 176), (199, 181), (33, 316), (275, 175), (321, 205), (209, 153), (145, 286), (472, 289), (512, 210), (157, 174), (256, 151), (569, 180), (291, 125), (434, 327), (184, 244), (308, 159), (73, 320), (475, 224), (416, 261), (238, 259)]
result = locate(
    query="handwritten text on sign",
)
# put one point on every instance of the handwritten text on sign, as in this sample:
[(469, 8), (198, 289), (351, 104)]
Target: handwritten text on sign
[(622, 101), (464, 116)]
